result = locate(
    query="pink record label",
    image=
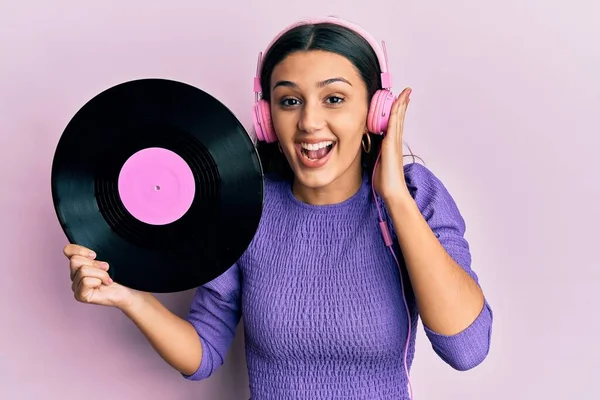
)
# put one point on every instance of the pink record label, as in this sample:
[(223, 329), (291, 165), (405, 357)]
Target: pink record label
[(156, 186)]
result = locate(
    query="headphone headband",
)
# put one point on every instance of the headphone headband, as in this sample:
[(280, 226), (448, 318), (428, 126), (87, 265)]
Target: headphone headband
[(381, 52)]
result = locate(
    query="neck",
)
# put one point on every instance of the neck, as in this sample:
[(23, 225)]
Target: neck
[(341, 189)]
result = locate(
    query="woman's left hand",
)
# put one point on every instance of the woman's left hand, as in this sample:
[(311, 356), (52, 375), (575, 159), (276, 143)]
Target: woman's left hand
[(389, 175)]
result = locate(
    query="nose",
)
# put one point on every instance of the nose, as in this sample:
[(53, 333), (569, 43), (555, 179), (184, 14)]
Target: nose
[(311, 118)]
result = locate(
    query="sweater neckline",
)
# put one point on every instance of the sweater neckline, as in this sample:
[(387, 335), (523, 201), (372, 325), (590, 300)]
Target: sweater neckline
[(358, 196)]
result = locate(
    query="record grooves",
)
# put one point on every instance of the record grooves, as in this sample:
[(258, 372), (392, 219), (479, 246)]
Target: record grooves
[(162, 181), (123, 223)]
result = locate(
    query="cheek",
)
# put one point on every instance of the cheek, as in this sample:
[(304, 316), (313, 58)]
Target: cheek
[(349, 128), (350, 132), (284, 123)]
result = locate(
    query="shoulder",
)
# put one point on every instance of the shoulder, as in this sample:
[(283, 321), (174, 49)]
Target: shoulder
[(275, 190), (431, 195), (275, 202), (419, 178), (425, 186), (274, 210)]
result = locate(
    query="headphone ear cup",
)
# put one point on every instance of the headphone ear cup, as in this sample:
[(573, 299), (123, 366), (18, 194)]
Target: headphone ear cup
[(379, 111), (263, 123)]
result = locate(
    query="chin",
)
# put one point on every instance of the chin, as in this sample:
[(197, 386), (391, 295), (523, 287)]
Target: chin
[(315, 179)]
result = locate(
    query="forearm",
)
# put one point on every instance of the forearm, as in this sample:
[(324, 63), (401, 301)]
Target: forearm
[(174, 338), (448, 298)]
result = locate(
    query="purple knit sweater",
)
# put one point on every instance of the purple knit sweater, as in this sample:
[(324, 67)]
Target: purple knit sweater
[(321, 299)]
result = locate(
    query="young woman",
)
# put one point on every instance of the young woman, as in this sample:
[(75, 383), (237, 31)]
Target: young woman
[(352, 247)]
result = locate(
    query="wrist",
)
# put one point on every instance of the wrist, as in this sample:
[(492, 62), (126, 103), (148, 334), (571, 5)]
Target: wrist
[(400, 198), (134, 303)]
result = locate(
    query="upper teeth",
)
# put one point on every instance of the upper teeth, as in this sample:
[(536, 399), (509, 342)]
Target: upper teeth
[(316, 146)]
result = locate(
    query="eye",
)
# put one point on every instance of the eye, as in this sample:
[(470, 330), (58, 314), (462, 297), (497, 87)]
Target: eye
[(335, 100), (289, 102)]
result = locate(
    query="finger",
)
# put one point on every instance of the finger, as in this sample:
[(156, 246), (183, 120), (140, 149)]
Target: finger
[(85, 285), (405, 95), (400, 103), (403, 101), (71, 250), (93, 276), (393, 120), (90, 277), (77, 262), (86, 288)]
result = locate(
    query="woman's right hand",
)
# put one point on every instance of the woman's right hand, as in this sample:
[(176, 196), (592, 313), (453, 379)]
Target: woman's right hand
[(91, 282)]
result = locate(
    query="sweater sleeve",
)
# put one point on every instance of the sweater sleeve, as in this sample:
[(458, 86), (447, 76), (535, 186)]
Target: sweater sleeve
[(215, 313), (466, 349)]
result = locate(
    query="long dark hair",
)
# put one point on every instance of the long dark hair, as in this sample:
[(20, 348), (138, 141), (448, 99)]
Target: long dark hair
[(327, 37)]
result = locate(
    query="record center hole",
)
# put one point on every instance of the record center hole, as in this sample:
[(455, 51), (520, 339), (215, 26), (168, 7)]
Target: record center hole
[(156, 188)]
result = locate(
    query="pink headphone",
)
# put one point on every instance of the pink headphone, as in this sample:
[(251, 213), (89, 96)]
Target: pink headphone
[(381, 103)]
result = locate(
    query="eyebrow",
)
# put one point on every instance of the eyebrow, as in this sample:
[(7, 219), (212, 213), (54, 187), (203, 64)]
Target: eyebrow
[(319, 84)]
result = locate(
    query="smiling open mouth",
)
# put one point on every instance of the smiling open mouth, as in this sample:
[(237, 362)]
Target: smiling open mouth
[(316, 151)]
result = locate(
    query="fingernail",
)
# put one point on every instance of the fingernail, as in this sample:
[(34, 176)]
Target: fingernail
[(92, 254), (110, 280)]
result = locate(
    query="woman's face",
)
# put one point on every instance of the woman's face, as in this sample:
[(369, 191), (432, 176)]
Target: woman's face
[(319, 109)]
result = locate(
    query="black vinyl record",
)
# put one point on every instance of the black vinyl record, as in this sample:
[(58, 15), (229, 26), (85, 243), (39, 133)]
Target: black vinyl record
[(162, 181)]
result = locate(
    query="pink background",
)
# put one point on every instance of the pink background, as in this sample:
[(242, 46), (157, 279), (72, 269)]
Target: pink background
[(504, 110)]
